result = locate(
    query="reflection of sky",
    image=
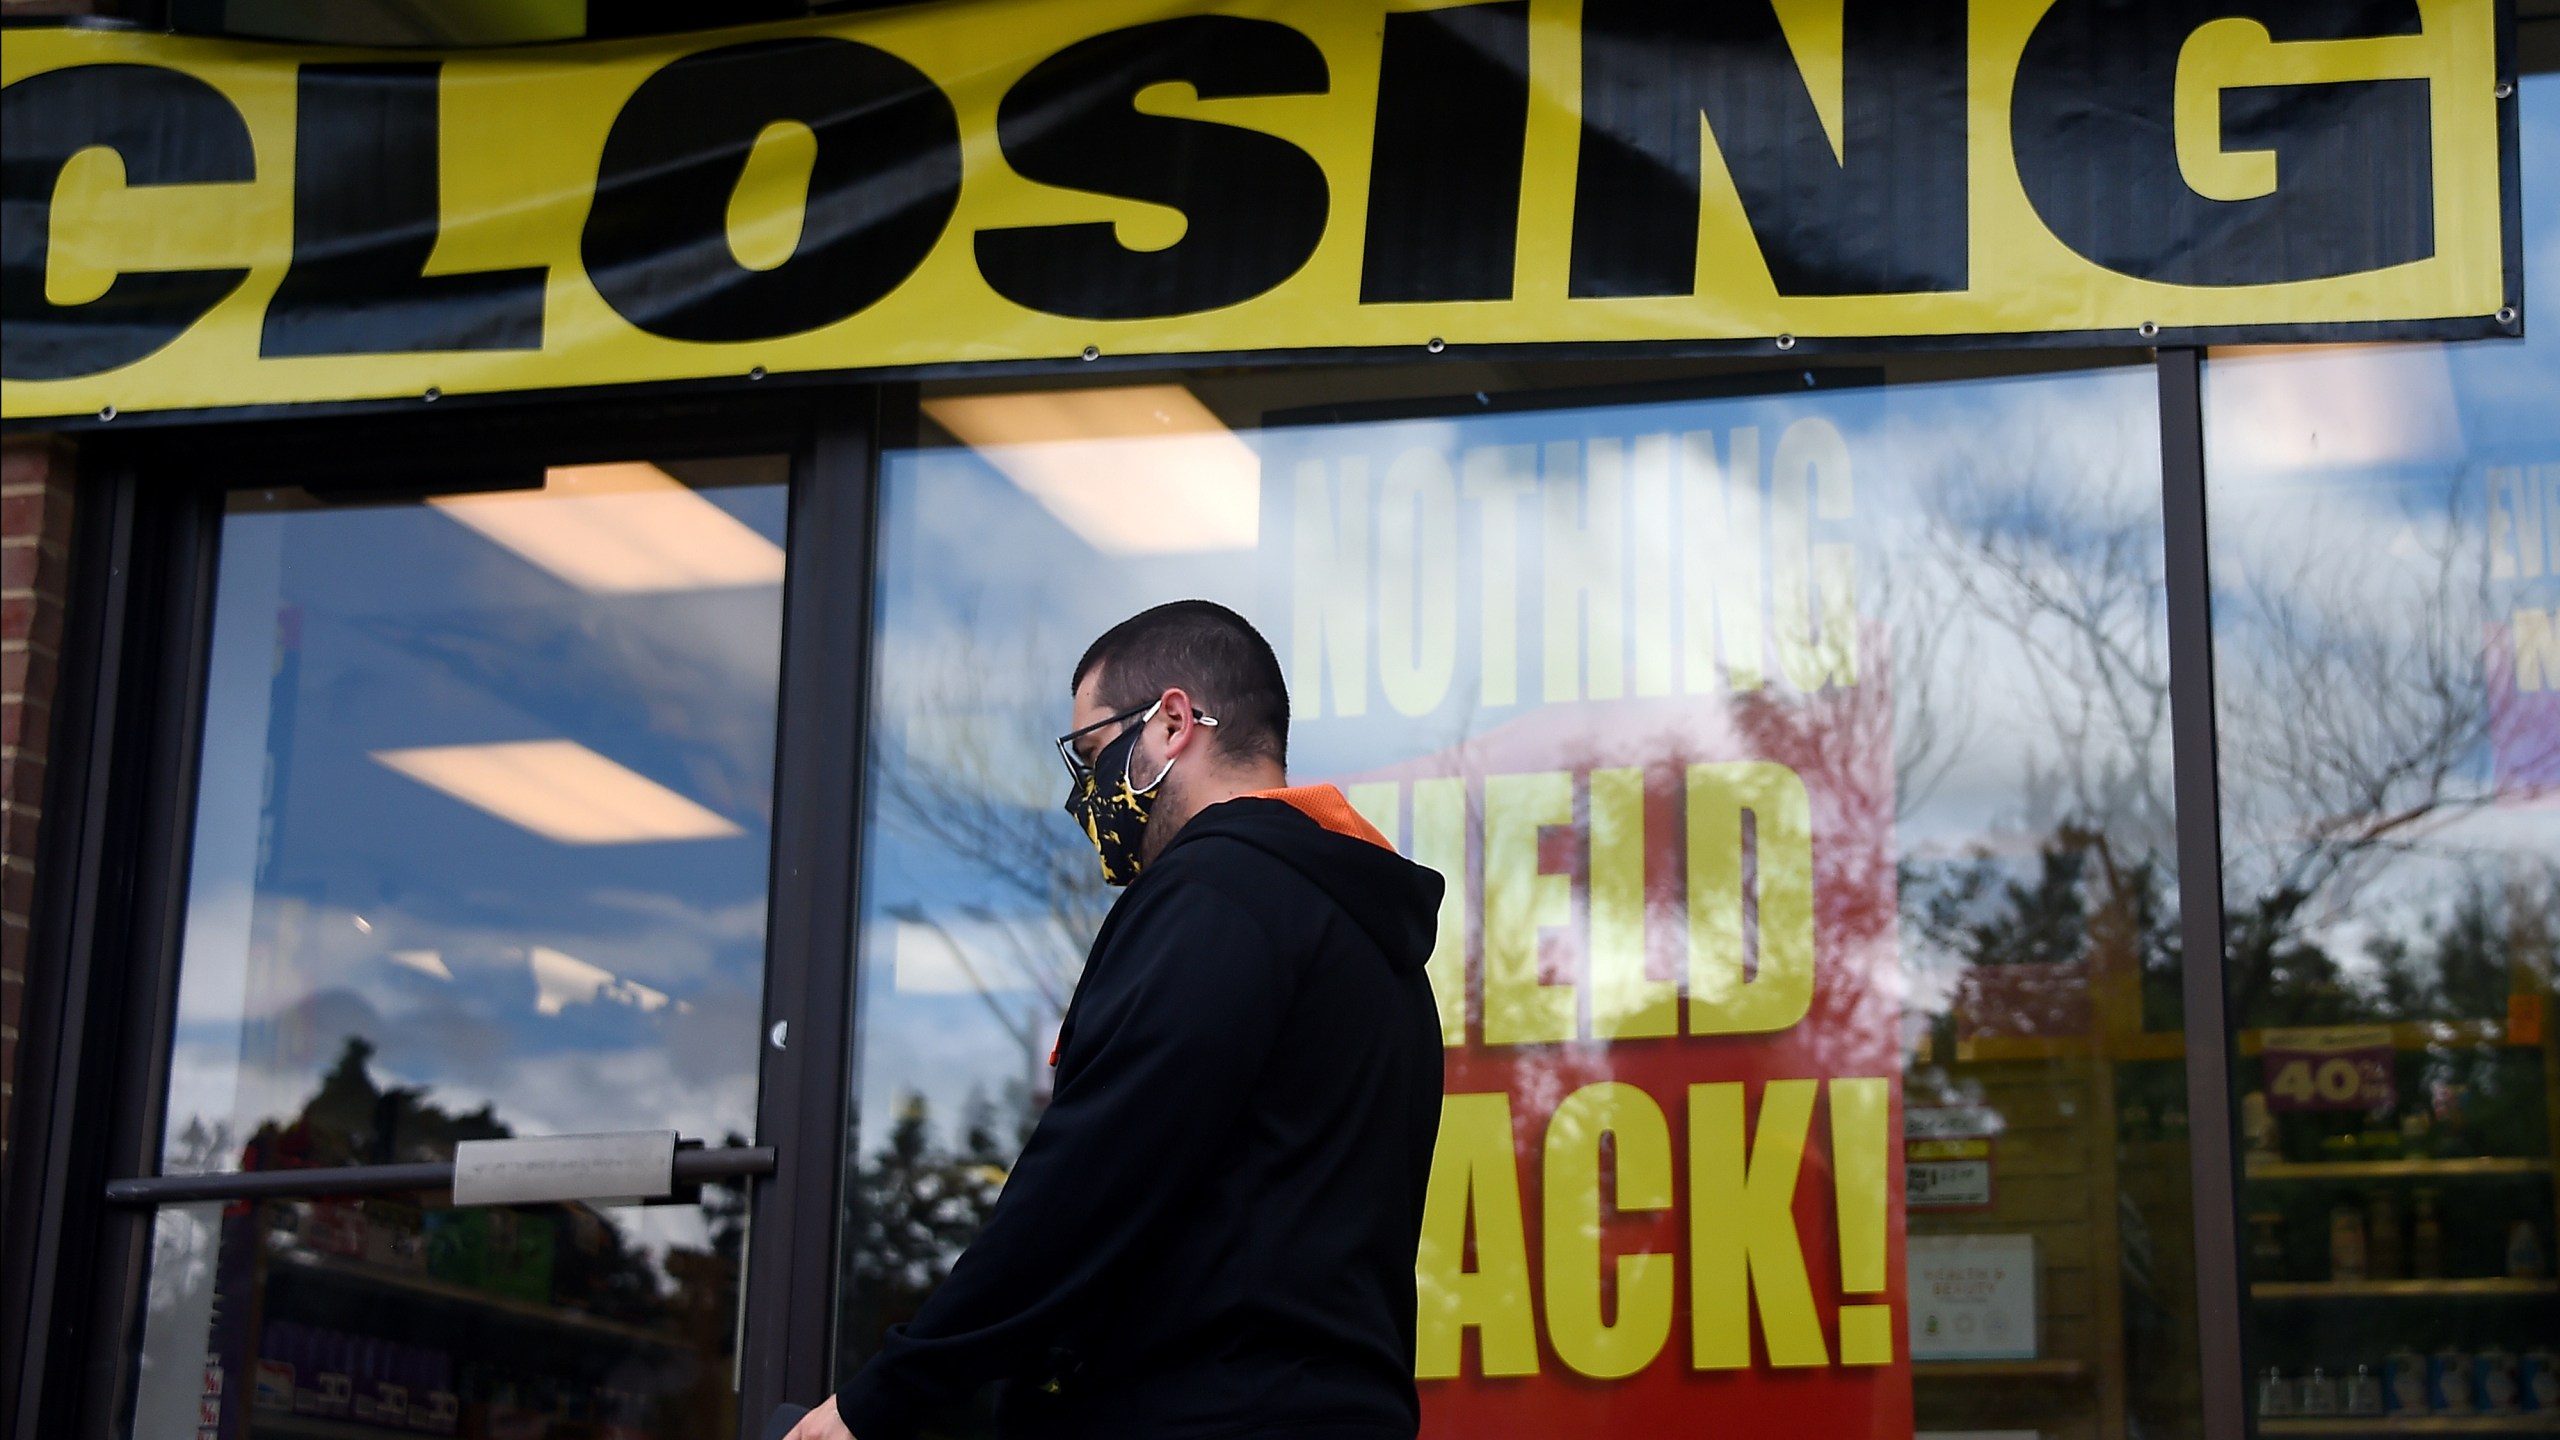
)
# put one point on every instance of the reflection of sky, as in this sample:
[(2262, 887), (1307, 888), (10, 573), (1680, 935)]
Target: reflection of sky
[(987, 598), (344, 631), (2351, 495)]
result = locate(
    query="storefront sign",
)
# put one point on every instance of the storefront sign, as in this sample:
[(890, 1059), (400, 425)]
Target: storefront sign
[(1948, 1157), (1666, 1181), (2342, 1067), (196, 224), (1973, 1297)]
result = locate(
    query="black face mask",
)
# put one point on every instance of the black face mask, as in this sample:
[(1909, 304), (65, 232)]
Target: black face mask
[(1111, 809)]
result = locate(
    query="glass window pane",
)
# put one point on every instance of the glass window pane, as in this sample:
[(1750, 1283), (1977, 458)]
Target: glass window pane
[(2385, 525), (481, 850), (1794, 743)]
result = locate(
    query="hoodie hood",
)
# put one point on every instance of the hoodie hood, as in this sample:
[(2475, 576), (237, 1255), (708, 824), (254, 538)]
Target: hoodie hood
[(1391, 898)]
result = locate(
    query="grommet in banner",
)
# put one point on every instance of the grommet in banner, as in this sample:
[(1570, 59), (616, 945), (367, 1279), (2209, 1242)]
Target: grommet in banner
[(2147, 329), (106, 412), (433, 395), (1786, 342), (2506, 316), (2506, 88), (1093, 352), (756, 374), (1435, 344)]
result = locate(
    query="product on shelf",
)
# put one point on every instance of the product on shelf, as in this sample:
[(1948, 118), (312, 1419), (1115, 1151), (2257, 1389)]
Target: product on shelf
[(2524, 1251), (498, 1251), (2266, 1245), (2346, 1242), (2449, 1382), (2259, 1125), (2319, 1394), (2383, 1250), (318, 1371), (2494, 1383), (2538, 1382), (2452, 1128), (2426, 1238), (2404, 1379), (2364, 1392), (2275, 1395)]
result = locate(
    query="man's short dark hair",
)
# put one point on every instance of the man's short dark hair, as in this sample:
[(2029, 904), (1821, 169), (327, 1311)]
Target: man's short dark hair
[(1211, 653)]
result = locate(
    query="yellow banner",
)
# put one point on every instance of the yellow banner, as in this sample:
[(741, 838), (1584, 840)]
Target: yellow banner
[(197, 224)]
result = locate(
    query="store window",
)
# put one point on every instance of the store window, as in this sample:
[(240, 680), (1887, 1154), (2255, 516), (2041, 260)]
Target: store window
[(1796, 745), (480, 851), (2385, 528)]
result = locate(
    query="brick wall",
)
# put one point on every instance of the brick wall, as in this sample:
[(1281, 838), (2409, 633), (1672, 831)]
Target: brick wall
[(35, 531)]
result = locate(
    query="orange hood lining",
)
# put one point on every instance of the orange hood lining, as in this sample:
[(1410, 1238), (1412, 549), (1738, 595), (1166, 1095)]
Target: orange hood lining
[(1326, 806)]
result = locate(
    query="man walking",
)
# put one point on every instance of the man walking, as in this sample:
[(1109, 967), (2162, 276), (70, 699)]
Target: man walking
[(1211, 1232)]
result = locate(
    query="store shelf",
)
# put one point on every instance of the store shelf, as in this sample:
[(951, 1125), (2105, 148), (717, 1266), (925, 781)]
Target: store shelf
[(480, 1300), (2425, 1035), (2395, 1169), (2483, 1289), (2418, 1425), (281, 1426), (2000, 1369)]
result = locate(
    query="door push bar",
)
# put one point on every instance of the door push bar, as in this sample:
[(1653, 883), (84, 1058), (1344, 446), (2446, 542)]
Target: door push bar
[(629, 1165)]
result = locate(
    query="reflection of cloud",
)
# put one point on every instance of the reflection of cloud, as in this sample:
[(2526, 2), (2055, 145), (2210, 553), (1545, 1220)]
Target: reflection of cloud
[(741, 922), (425, 962), (983, 955), (565, 980), (685, 980), (2332, 407)]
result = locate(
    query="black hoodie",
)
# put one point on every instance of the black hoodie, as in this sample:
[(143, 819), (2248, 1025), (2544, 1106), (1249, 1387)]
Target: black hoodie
[(1212, 1229)]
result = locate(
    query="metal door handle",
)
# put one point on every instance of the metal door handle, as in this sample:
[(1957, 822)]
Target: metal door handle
[(690, 1167)]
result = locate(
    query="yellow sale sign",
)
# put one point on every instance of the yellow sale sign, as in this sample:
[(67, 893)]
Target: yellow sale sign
[(194, 224)]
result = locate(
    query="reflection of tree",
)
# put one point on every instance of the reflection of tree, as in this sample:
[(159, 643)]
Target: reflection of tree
[(580, 1257), (354, 1121), (970, 781), (2351, 724), (2354, 714), (2068, 572), (2047, 567), (917, 1205)]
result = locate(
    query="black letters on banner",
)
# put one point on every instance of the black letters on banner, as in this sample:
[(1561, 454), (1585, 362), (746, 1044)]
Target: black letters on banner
[(169, 129), (2094, 124), (1444, 165), (883, 187), (367, 206), (1256, 203), (1887, 215)]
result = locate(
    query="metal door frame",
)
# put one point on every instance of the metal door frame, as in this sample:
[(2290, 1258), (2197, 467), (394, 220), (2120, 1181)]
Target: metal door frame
[(118, 818)]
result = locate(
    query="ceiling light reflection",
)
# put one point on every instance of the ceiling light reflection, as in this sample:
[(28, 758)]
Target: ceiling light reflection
[(622, 529), (560, 790), (1134, 470)]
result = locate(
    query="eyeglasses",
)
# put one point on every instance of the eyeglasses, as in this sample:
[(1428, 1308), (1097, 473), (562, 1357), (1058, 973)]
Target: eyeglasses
[(1077, 770)]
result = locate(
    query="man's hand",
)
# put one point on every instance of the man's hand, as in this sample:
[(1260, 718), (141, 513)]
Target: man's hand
[(822, 1423)]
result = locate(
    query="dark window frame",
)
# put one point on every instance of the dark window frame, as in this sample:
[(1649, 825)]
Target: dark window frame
[(119, 820)]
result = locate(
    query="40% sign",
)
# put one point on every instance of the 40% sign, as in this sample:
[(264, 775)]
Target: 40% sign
[(2343, 1067)]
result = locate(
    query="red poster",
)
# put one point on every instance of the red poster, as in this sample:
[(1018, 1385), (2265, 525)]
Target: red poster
[(1668, 1191)]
